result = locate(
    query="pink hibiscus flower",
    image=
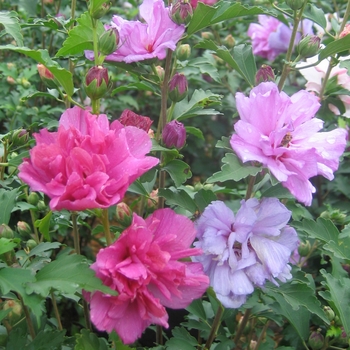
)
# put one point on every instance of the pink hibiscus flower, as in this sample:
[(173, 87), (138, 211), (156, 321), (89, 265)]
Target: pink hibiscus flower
[(87, 163), (281, 133), (143, 267)]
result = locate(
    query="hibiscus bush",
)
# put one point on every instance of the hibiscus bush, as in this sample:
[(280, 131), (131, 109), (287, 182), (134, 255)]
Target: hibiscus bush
[(174, 175)]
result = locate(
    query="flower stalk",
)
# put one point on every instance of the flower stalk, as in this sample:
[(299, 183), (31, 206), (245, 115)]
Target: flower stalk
[(214, 327)]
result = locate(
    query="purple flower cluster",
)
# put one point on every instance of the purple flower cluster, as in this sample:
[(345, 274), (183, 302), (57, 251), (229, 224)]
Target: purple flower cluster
[(246, 250)]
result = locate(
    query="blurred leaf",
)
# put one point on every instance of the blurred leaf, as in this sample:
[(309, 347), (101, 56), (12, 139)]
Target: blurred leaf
[(194, 131), (47, 340), (89, 341), (338, 297), (8, 202), (140, 86), (316, 15), (44, 247), (194, 107), (80, 37), (224, 143), (203, 198), (277, 191), (178, 197), (63, 76), (242, 60), (179, 171), (11, 26), (44, 225), (6, 245), (16, 161), (325, 231), (181, 340), (335, 47), (67, 274), (233, 170)]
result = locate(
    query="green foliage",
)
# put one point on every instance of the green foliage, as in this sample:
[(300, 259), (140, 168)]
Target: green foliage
[(9, 19), (8, 201), (89, 341)]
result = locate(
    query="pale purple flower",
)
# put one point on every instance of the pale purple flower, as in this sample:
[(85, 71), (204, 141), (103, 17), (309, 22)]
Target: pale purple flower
[(271, 37), (139, 41), (282, 134), (244, 250)]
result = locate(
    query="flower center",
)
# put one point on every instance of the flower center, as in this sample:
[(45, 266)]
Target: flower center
[(286, 139)]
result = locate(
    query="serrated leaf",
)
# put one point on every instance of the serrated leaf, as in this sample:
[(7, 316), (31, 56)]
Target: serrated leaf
[(338, 297), (11, 26), (233, 170), (179, 198), (200, 99), (181, 340), (6, 245), (89, 341), (8, 202), (179, 171), (42, 339), (316, 15), (67, 274), (44, 225), (325, 231), (196, 308), (63, 76), (44, 247), (80, 37)]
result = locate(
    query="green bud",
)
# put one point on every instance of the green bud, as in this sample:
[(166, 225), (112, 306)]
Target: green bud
[(304, 248), (181, 12), (316, 340), (295, 4), (19, 137), (108, 41), (96, 82), (207, 35), (229, 41), (41, 206), (99, 11), (124, 214), (24, 229), (183, 52), (31, 244), (16, 310), (33, 198), (6, 231), (309, 46), (329, 313)]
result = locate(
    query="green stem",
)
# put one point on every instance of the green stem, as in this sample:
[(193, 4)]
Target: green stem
[(106, 229), (95, 41), (75, 233), (4, 158), (95, 106), (286, 67), (170, 112), (55, 309), (250, 187), (242, 326), (262, 334), (28, 319), (325, 79), (214, 327)]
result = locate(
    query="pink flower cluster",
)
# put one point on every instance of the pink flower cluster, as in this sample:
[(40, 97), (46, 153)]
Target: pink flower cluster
[(281, 133), (140, 41), (271, 37), (143, 267), (87, 163), (314, 76)]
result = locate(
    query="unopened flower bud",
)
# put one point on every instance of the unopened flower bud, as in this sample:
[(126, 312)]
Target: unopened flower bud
[(130, 118), (10, 80), (178, 87), (96, 82), (19, 137), (304, 248), (99, 11), (46, 76), (33, 198), (31, 244), (16, 310), (181, 12), (345, 31), (309, 46), (23, 229), (295, 4), (108, 41), (183, 52), (265, 73), (316, 340), (124, 214), (160, 72), (329, 313), (207, 35), (152, 201), (229, 41), (6, 231), (174, 134), (25, 83)]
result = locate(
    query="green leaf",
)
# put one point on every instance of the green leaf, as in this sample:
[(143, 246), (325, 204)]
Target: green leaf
[(42, 339), (277, 191), (8, 202), (145, 184), (179, 198), (67, 274), (44, 225), (335, 47), (338, 297), (242, 60), (203, 198), (89, 341), (194, 107), (44, 247), (6, 245), (80, 37), (194, 131), (233, 170), (11, 26), (181, 340), (196, 308), (316, 15), (325, 231), (16, 161), (179, 171), (63, 76)]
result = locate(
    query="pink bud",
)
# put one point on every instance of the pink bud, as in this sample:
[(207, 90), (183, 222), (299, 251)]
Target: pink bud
[(130, 118), (174, 134)]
